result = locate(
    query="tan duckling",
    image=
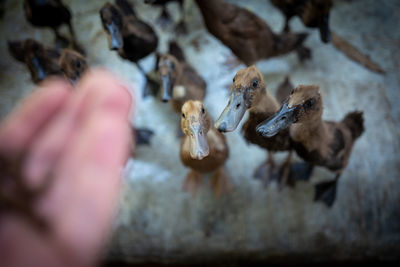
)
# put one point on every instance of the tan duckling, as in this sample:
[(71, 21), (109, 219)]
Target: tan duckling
[(249, 92), (322, 143), (313, 13), (180, 81), (248, 36), (165, 17), (40, 60), (203, 149)]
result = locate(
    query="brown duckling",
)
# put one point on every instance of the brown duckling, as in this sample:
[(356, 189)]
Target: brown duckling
[(180, 81), (72, 64), (132, 38), (313, 13), (40, 60), (165, 17), (248, 36), (52, 14), (203, 149), (322, 143), (249, 92)]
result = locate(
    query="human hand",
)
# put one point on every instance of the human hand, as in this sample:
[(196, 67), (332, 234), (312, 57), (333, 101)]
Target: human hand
[(73, 142)]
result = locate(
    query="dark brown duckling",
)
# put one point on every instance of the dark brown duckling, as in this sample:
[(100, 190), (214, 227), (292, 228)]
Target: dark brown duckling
[(165, 17), (132, 38), (40, 60), (249, 92), (322, 143), (248, 36), (313, 13), (180, 81), (203, 149), (52, 14)]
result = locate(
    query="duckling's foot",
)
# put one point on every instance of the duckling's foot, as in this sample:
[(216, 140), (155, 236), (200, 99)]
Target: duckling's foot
[(165, 18), (143, 136), (220, 183), (300, 171), (267, 173), (192, 182), (303, 53), (326, 192), (180, 28)]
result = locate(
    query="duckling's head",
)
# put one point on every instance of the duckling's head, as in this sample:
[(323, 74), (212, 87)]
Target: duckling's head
[(111, 19), (304, 104), (316, 15), (72, 64), (248, 86), (195, 123), (169, 69)]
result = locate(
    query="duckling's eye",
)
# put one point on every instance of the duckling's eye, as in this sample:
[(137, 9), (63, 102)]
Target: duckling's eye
[(183, 115), (309, 103), (78, 64), (255, 83), (202, 110), (291, 92), (234, 79)]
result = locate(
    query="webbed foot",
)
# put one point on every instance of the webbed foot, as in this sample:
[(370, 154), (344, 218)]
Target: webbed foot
[(326, 192), (267, 173)]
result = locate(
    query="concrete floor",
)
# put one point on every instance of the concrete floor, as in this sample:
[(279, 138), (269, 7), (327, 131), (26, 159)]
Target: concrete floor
[(158, 222)]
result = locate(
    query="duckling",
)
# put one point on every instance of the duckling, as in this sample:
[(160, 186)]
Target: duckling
[(40, 60), (180, 81), (72, 64), (322, 143), (165, 17), (132, 38), (249, 92), (52, 14), (248, 36), (203, 149), (313, 13)]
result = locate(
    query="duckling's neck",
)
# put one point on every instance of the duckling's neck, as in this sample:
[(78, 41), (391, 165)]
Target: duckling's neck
[(266, 104), (311, 134)]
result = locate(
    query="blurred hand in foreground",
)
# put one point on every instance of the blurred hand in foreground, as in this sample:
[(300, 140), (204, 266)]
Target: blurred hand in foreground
[(73, 142)]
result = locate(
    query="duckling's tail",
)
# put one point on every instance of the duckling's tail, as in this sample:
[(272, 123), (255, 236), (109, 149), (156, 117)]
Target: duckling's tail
[(355, 122), (126, 7), (286, 42)]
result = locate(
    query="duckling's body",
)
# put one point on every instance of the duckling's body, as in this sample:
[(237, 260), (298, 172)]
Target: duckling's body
[(40, 60), (313, 13), (180, 81), (322, 143), (249, 37), (131, 37), (52, 14), (203, 148)]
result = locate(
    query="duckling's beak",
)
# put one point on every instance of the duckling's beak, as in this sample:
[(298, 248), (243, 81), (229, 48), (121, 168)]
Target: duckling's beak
[(115, 40), (199, 148), (324, 31), (280, 121), (38, 70), (167, 87), (232, 114)]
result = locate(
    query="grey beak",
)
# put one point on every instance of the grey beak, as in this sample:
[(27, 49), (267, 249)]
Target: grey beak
[(278, 122), (324, 29), (199, 148), (115, 40), (167, 87), (38, 68), (232, 114)]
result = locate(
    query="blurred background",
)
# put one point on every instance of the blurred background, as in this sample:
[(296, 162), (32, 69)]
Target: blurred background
[(158, 223)]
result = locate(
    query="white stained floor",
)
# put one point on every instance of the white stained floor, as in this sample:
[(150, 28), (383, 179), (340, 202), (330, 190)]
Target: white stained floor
[(157, 221)]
